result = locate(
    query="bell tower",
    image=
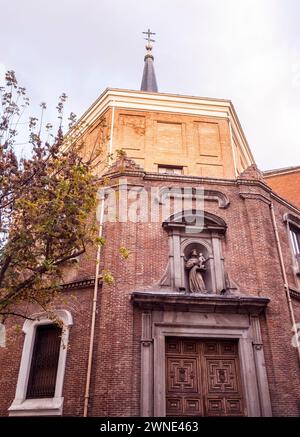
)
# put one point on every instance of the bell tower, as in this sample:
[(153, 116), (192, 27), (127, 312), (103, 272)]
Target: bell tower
[(169, 133)]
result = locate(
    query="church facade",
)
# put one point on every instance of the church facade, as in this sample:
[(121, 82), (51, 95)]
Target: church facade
[(200, 319)]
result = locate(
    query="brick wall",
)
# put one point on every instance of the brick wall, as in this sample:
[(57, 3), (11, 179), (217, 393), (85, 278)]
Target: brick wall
[(287, 186), (252, 262)]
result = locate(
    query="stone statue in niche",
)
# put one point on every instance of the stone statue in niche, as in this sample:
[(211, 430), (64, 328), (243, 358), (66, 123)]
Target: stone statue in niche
[(195, 265)]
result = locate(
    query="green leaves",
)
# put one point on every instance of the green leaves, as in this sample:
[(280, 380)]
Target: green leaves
[(47, 203), (124, 252), (107, 277), (100, 240)]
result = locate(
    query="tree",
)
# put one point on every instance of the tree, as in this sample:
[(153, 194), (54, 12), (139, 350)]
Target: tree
[(46, 202)]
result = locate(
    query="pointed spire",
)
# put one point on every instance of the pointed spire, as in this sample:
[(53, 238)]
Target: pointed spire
[(149, 79)]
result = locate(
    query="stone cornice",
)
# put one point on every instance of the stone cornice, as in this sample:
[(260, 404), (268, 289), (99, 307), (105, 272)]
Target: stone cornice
[(281, 171), (148, 176), (256, 196), (295, 293), (162, 300), (190, 179), (210, 181), (254, 182), (284, 202), (81, 283)]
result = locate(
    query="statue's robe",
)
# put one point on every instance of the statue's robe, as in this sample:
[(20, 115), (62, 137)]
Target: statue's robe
[(196, 281)]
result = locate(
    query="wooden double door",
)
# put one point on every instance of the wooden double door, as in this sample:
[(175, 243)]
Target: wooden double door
[(203, 378)]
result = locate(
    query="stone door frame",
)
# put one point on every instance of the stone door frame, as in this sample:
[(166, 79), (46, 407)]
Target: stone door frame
[(157, 325)]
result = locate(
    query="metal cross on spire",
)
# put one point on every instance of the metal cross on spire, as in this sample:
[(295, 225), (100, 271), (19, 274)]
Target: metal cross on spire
[(149, 80), (149, 33)]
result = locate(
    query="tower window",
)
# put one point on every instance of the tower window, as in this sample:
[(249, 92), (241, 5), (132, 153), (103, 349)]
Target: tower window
[(295, 237), (44, 362), (170, 169)]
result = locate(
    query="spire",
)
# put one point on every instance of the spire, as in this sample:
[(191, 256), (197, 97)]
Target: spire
[(149, 80)]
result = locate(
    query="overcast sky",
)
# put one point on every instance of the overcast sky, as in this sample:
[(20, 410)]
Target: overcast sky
[(244, 50)]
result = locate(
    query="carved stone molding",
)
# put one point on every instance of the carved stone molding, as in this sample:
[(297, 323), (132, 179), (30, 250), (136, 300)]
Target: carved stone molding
[(187, 179), (197, 302), (147, 364), (146, 339), (81, 283), (256, 196), (257, 339), (191, 193), (209, 222)]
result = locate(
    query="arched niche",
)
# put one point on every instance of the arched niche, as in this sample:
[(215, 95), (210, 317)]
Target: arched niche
[(187, 248), (190, 230)]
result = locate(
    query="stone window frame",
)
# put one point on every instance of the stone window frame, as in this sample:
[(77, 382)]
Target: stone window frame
[(42, 406), (293, 222)]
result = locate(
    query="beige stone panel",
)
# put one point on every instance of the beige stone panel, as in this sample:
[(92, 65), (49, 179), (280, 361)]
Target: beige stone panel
[(169, 137), (210, 170), (208, 140), (131, 132)]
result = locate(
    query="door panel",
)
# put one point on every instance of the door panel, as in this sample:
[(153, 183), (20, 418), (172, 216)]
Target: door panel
[(202, 378)]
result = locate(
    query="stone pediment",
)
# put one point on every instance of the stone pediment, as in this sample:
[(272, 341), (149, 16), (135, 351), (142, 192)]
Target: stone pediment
[(252, 173), (211, 222)]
